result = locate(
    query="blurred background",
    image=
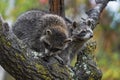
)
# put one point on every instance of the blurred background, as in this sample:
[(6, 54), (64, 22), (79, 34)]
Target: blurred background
[(106, 34)]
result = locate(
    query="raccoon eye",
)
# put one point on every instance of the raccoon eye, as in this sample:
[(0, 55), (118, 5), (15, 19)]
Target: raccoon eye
[(55, 49)]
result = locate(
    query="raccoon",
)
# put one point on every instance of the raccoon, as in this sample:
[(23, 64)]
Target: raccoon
[(82, 30), (42, 32), (81, 33)]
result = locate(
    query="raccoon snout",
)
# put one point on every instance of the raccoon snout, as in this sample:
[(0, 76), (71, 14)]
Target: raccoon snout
[(81, 34), (85, 34), (91, 35)]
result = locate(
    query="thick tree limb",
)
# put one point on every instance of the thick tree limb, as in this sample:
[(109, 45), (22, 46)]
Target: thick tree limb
[(94, 14), (57, 7), (86, 67)]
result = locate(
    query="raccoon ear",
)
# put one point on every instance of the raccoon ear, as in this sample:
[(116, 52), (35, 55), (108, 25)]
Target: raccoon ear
[(74, 24), (48, 32), (68, 40)]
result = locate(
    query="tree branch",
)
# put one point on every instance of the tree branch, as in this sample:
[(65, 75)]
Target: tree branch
[(94, 14), (86, 67)]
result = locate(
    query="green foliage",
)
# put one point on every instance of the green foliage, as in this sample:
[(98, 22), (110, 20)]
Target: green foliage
[(109, 65), (18, 7), (3, 7), (22, 6)]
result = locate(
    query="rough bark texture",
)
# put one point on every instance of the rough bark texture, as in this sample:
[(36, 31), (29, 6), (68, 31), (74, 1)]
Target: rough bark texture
[(86, 67), (57, 7), (94, 14), (24, 64)]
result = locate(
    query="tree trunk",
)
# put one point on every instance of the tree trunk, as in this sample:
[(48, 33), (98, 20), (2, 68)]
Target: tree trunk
[(57, 7)]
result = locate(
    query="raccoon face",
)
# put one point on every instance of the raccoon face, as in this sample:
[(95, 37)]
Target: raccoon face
[(82, 31), (54, 41)]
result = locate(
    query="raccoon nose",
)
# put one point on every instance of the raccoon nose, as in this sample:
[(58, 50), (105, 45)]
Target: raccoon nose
[(82, 33), (91, 35)]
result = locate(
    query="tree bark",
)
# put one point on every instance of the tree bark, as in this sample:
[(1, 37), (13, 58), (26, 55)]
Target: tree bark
[(94, 13), (57, 7)]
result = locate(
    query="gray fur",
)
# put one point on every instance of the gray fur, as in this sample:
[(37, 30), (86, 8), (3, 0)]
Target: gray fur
[(31, 26), (81, 33)]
